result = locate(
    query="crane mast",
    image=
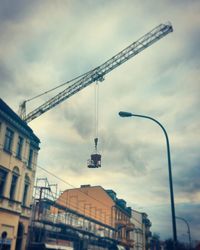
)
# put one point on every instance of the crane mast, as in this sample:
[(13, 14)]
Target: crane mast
[(98, 73)]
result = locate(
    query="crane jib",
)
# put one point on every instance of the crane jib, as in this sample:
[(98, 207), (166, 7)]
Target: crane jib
[(98, 73)]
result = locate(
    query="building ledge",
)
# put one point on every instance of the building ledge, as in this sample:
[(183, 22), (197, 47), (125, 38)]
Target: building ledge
[(10, 200), (9, 152)]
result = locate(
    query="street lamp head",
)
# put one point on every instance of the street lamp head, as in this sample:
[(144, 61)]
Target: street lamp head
[(125, 114)]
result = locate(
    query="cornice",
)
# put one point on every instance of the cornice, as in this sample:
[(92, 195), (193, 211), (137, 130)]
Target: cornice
[(27, 131)]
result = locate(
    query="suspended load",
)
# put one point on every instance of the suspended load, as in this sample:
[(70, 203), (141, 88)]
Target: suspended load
[(95, 159)]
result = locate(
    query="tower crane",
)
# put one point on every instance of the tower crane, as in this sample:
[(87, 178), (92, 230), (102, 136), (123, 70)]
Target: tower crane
[(97, 74)]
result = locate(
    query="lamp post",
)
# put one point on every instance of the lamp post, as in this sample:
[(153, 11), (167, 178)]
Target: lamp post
[(188, 227), (128, 114)]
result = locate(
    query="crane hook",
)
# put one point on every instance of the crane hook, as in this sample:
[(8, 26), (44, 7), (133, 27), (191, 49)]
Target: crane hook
[(95, 143)]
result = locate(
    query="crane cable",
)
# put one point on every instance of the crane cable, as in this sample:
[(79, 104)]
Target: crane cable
[(96, 111)]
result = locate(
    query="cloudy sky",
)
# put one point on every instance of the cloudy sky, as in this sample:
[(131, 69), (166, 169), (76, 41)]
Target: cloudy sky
[(45, 43)]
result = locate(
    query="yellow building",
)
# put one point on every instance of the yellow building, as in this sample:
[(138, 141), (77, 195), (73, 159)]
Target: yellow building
[(19, 148)]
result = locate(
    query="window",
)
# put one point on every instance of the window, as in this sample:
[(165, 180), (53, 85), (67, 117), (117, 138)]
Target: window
[(8, 140), (14, 183), (30, 158), (3, 175), (19, 147), (26, 187)]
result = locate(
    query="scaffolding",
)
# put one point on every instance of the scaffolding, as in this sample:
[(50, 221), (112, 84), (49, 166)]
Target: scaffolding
[(58, 227)]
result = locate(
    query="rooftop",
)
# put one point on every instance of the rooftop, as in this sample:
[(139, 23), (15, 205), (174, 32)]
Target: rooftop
[(9, 113)]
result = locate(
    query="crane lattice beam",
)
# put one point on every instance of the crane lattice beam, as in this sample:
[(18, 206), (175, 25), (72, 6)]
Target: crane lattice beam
[(97, 74)]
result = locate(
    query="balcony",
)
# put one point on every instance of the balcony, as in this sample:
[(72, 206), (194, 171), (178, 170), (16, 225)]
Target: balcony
[(126, 242), (125, 224), (121, 222), (130, 226)]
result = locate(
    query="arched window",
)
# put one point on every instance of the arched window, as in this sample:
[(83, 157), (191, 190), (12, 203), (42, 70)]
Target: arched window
[(26, 189), (13, 186)]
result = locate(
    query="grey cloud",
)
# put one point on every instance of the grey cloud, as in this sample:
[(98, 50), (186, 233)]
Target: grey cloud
[(20, 10), (13, 10), (192, 52), (133, 158), (190, 212), (187, 181), (81, 120), (6, 76), (41, 47)]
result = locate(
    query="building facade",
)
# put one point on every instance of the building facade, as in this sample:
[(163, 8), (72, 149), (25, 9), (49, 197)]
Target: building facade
[(141, 234), (19, 148), (55, 226), (103, 206)]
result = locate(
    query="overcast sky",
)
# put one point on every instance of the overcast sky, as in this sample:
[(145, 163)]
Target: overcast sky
[(45, 43)]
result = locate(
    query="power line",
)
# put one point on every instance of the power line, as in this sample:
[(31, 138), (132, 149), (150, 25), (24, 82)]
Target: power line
[(57, 177), (83, 208)]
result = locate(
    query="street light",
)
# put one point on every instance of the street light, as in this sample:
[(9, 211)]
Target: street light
[(128, 114), (188, 227)]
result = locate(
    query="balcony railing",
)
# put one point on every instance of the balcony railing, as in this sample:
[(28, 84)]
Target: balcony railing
[(130, 226), (121, 222)]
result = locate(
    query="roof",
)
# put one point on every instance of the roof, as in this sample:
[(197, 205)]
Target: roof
[(8, 112), (83, 188), (120, 203)]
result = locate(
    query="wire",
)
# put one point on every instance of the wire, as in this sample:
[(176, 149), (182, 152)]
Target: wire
[(93, 212), (72, 186), (48, 91), (50, 173), (96, 107)]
